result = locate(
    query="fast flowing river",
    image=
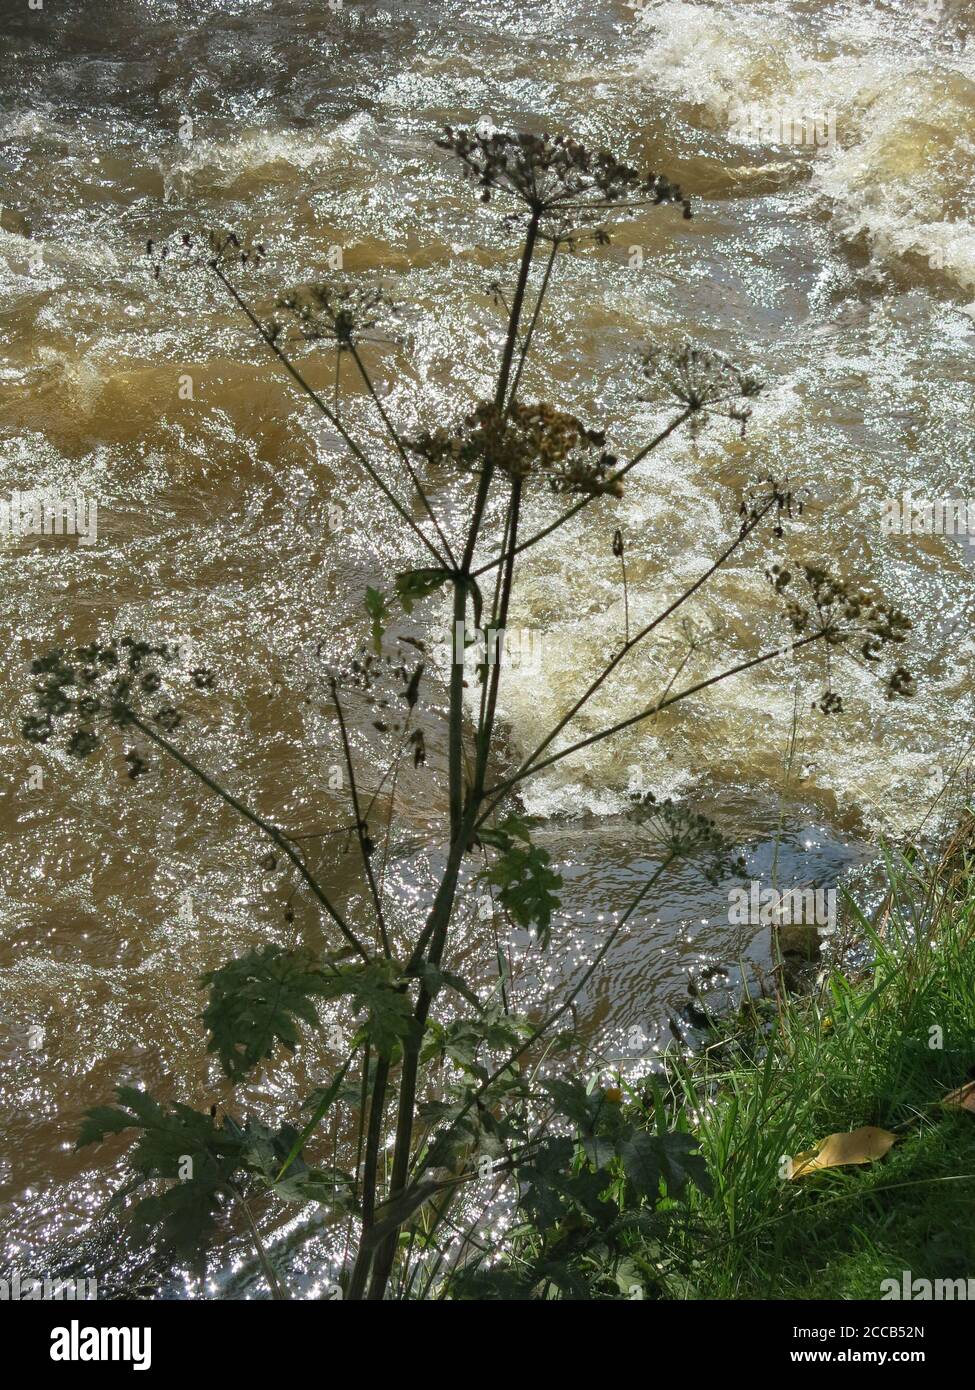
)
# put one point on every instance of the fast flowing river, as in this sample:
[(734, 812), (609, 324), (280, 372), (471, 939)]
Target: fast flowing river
[(828, 150)]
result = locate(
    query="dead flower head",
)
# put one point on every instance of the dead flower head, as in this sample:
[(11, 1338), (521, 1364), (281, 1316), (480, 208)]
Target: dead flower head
[(342, 314), (106, 685), (556, 178), (219, 250), (530, 441), (389, 683), (860, 624), (677, 832), (702, 382)]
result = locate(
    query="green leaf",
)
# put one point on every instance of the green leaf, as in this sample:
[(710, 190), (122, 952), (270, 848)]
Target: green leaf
[(181, 1219), (497, 1284), (177, 1144), (414, 585), (321, 1109), (574, 1284), (255, 1002), (572, 1100), (543, 1179), (462, 1038), (551, 1192), (649, 1157), (100, 1122), (684, 1163), (378, 613), (505, 832), (599, 1151), (642, 1163), (586, 1190), (523, 877), (375, 988), (264, 1150), (454, 1143)]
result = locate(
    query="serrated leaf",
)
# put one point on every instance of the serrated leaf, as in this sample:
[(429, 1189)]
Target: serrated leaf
[(496, 1284), (642, 1163), (521, 873), (181, 1218), (683, 1163), (374, 987), (274, 1156), (255, 1002), (599, 1151), (462, 1038), (543, 1179), (177, 1144), (572, 1100), (100, 1122), (649, 1157)]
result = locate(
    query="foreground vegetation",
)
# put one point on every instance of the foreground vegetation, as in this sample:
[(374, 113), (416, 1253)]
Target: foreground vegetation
[(883, 1046)]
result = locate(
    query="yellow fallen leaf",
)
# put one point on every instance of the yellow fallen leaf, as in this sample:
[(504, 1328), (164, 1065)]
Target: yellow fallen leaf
[(963, 1098), (859, 1146)]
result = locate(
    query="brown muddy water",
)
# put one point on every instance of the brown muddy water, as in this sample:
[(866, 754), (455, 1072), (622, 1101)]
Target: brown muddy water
[(843, 271)]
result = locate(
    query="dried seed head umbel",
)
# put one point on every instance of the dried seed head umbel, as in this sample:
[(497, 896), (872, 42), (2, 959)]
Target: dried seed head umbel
[(556, 178)]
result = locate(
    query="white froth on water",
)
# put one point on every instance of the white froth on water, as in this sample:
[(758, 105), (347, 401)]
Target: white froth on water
[(903, 92)]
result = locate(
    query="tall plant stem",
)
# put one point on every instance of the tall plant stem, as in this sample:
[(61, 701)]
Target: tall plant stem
[(567, 1003), (436, 932), (439, 923), (370, 1177), (514, 318), (493, 674), (526, 345), (461, 817)]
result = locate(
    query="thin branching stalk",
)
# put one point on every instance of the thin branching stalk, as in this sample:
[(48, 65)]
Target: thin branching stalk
[(493, 674), (272, 831), (619, 549), (404, 456), (635, 641), (651, 710), (365, 847), (329, 414)]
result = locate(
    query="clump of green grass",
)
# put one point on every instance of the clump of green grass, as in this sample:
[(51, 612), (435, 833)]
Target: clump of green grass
[(882, 1048)]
